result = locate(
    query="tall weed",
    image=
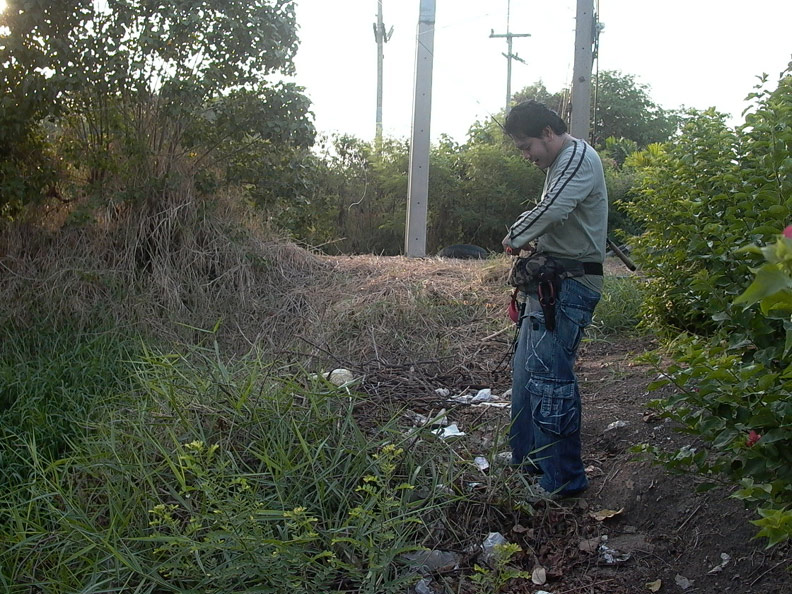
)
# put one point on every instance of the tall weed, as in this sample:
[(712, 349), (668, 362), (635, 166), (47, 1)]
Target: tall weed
[(619, 308), (213, 476), (52, 379)]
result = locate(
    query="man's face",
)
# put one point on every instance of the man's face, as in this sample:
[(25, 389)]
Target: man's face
[(536, 150)]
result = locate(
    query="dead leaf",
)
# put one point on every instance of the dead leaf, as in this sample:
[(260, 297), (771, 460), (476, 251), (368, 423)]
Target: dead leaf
[(539, 576), (604, 514), (683, 582), (519, 529), (590, 545), (654, 586)]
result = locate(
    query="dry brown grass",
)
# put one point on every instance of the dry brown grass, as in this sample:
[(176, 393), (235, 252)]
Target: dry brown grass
[(175, 271), (419, 323), (183, 264)]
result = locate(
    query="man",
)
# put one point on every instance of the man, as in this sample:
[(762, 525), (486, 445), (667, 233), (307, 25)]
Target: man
[(570, 224)]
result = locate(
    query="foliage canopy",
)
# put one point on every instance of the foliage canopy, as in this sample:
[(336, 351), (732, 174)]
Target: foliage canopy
[(135, 97)]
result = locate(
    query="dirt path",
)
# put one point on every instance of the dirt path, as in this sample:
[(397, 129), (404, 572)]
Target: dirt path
[(664, 533)]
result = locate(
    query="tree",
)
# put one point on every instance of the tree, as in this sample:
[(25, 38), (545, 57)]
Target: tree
[(538, 92), (36, 37), (139, 87), (623, 109)]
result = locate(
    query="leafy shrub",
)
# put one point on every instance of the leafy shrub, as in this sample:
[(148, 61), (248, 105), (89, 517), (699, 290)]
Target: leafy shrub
[(699, 200), (476, 190), (741, 409)]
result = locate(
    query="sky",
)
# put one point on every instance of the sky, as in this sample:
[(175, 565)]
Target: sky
[(690, 53)]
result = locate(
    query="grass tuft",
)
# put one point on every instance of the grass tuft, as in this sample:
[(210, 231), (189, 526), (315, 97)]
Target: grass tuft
[(618, 310), (52, 381), (225, 476)]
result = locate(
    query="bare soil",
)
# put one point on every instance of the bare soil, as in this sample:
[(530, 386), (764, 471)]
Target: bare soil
[(662, 536), (684, 533), (662, 533)]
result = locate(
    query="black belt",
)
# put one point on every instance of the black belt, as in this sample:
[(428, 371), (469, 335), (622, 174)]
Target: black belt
[(593, 268), (575, 268)]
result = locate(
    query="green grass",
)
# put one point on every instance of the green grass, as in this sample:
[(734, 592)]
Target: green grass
[(51, 382), (618, 310), (215, 476)]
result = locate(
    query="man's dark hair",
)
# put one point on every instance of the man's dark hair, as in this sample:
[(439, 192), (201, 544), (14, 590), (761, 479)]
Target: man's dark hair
[(530, 118)]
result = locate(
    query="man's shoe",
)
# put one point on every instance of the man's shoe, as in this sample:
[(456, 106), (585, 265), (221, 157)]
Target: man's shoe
[(538, 493)]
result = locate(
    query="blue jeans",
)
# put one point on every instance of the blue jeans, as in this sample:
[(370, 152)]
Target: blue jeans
[(546, 412)]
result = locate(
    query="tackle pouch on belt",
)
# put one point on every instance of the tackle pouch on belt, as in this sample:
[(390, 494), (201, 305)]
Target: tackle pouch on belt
[(541, 274), (526, 271)]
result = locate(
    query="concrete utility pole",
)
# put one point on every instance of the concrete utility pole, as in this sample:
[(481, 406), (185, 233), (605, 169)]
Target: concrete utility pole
[(381, 37), (418, 182), (581, 73), (509, 55)]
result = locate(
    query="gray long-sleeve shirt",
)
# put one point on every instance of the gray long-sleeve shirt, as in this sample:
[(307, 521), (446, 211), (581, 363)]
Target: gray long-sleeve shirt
[(571, 220)]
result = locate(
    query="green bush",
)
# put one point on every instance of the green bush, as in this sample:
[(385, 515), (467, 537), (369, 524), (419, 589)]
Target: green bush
[(742, 410), (700, 200)]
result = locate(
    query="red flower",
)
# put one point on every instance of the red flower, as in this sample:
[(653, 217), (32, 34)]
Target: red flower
[(753, 437), (788, 232)]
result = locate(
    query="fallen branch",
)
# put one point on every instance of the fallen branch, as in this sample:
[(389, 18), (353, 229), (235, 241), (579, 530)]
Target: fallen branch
[(776, 566), (498, 333), (682, 525)]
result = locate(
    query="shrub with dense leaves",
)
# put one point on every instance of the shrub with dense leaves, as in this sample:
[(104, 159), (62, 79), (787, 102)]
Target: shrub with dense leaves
[(742, 408), (700, 200), (711, 191)]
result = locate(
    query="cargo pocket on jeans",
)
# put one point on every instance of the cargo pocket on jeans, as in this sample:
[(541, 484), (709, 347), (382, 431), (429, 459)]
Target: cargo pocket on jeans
[(554, 405)]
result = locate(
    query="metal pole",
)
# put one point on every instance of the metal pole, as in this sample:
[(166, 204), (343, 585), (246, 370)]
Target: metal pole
[(381, 37), (581, 77), (418, 182), (379, 34), (509, 57), (508, 73)]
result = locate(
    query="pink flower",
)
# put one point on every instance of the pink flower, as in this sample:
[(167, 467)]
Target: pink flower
[(753, 438), (788, 232)]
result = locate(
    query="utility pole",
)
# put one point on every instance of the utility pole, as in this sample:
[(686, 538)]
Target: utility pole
[(509, 55), (581, 72), (418, 181), (381, 37)]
